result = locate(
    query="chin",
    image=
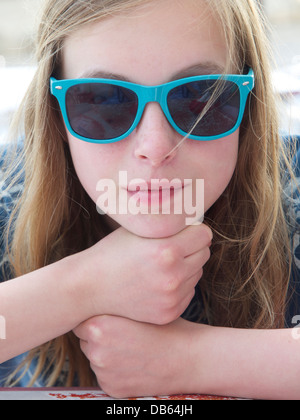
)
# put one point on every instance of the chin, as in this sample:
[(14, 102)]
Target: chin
[(152, 226)]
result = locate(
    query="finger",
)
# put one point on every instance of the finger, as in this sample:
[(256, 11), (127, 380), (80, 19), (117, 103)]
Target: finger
[(185, 302), (188, 287), (194, 280), (193, 239), (88, 330), (92, 353), (84, 346), (195, 262), (80, 332)]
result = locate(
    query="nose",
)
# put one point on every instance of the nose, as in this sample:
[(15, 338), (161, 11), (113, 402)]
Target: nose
[(155, 137)]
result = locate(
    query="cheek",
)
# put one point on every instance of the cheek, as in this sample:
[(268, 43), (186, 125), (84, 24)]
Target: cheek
[(218, 163), (223, 158), (92, 162)]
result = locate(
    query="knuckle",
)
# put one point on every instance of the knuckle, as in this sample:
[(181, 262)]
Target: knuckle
[(94, 332), (168, 255), (97, 328), (171, 284)]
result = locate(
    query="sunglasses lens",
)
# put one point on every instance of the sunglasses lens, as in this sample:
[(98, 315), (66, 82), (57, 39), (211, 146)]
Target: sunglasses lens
[(101, 111), (216, 103)]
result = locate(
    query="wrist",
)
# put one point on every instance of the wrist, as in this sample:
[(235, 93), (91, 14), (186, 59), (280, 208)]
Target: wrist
[(245, 363), (201, 367), (219, 358), (79, 284), (196, 360), (92, 294), (42, 305)]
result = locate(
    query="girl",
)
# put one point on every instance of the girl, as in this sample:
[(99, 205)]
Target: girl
[(139, 302)]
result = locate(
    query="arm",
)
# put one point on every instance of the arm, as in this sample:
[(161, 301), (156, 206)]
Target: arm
[(259, 364), (40, 306), (51, 301), (136, 359)]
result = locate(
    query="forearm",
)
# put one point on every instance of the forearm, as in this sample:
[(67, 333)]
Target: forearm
[(40, 306), (260, 364)]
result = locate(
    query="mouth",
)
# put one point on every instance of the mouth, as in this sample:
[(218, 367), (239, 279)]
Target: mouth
[(152, 197), (140, 185), (156, 192)]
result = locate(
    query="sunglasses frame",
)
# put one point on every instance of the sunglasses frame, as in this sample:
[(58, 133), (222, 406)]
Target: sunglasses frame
[(148, 94)]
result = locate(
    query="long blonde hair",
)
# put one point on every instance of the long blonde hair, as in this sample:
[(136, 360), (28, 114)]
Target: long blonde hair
[(245, 283)]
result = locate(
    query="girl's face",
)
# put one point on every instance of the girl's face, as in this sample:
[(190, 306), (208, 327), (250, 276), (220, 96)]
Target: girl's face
[(154, 44)]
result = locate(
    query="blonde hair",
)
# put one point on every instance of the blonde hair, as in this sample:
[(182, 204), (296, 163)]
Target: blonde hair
[(246, 281)]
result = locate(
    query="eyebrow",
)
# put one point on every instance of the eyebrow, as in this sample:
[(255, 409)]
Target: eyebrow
[(200, 69), (99, 74)]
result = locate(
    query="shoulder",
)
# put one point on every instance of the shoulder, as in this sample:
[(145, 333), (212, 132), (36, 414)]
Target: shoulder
[(291, 199), (291, 206), (11, 188)]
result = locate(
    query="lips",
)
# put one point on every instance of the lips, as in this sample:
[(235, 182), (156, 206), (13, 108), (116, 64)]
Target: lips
[(153, 197), (154, 186), (155, 192)]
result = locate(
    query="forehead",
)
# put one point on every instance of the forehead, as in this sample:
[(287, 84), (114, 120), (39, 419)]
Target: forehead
[(148, 45)]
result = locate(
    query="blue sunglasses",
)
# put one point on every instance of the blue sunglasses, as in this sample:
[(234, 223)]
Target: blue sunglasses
[(200, 108)]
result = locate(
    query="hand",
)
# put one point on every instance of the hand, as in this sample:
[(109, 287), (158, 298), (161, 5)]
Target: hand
[(132, 359), (147, 280)]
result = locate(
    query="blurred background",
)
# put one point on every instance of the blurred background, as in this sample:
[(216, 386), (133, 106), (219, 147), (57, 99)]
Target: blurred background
[(18, 22)]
